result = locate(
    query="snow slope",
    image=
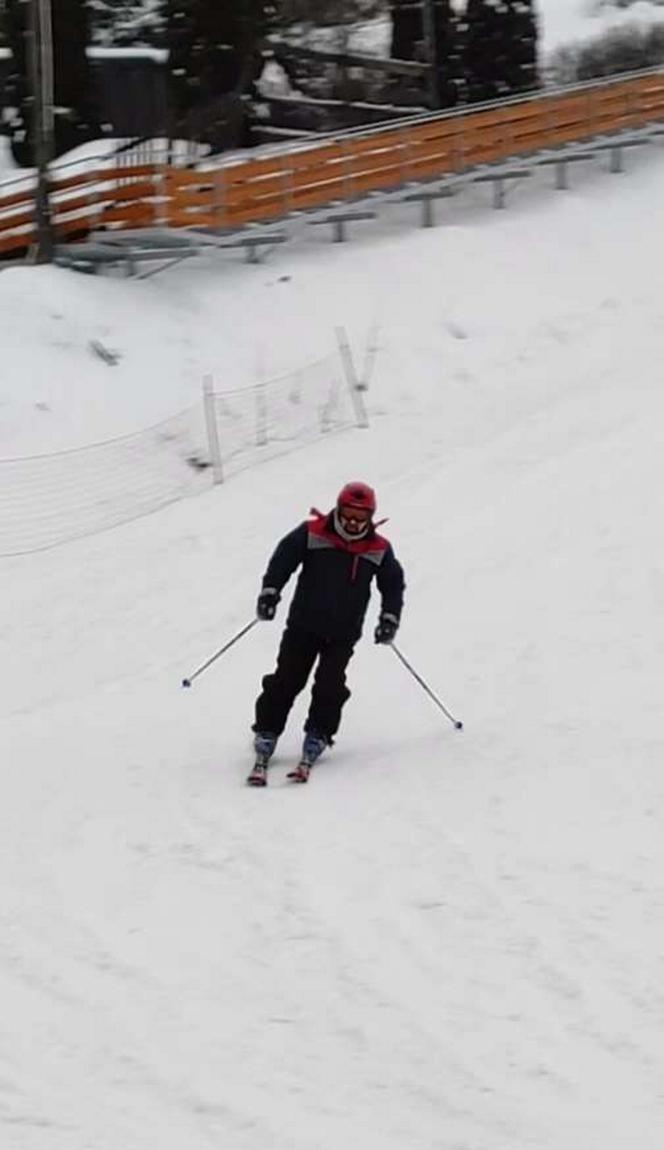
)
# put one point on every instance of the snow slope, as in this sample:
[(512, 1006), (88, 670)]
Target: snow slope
[(446, 941)]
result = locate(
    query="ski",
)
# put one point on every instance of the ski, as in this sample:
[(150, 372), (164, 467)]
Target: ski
[(300, 773), (258, 775)]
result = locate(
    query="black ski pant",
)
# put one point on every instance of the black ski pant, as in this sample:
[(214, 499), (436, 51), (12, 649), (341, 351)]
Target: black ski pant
[(298, 653)]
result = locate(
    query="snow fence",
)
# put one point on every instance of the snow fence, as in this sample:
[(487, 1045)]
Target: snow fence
[(47, 500)]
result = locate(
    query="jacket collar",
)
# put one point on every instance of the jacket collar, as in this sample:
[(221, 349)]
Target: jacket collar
[(338, 526), (353, 546)]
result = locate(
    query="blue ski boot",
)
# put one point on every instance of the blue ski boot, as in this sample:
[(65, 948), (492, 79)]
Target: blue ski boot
[(312, 748), (264, 744)]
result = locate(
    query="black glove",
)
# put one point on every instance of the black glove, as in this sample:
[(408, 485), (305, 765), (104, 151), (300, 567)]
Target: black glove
[(266, 607), (386, 629)]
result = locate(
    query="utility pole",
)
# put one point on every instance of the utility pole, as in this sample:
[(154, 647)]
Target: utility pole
[(429, 30), (40, 64)]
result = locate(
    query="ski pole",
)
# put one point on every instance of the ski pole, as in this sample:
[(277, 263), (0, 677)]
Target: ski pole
[(190, 678), (457, 722)]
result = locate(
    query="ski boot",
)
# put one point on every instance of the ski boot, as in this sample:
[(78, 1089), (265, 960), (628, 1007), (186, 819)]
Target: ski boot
[(264, 744), (312, 748)]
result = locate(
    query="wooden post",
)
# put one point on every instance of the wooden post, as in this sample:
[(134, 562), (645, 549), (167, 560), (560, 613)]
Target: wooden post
[(40, 64), (355, 387), (429, 28), (212, 430)]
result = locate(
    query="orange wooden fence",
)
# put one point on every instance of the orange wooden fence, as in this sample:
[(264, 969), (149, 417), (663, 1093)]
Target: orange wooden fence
[(332, 170), (80, 203)]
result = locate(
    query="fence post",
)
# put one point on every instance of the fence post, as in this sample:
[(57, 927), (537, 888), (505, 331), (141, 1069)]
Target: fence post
[(370, 354), (260, 396), (355, 386), (212, 430)]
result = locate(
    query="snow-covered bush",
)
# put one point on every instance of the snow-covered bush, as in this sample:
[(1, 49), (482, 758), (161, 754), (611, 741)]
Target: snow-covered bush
[(624, 49), (118, 22)]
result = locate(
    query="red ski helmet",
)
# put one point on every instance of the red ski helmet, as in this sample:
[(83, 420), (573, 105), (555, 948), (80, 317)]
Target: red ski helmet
[(357, 495)]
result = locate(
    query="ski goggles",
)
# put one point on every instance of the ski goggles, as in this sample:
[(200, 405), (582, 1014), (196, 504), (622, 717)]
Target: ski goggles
[(355, 516)]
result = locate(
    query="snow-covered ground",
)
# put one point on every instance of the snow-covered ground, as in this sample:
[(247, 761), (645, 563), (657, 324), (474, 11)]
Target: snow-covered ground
[(565, 22), (7, 162), (447, 941)]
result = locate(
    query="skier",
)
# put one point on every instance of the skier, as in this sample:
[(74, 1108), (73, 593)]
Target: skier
[(339, 555)]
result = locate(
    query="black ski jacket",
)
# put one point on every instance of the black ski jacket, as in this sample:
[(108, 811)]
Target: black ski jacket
[(334, 586)]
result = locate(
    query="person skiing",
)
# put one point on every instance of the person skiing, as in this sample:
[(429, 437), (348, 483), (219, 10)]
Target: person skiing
[(339, 554)]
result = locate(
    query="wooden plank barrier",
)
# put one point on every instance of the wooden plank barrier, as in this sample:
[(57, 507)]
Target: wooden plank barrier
[(79, 203), (332, 171), (385, 158)]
